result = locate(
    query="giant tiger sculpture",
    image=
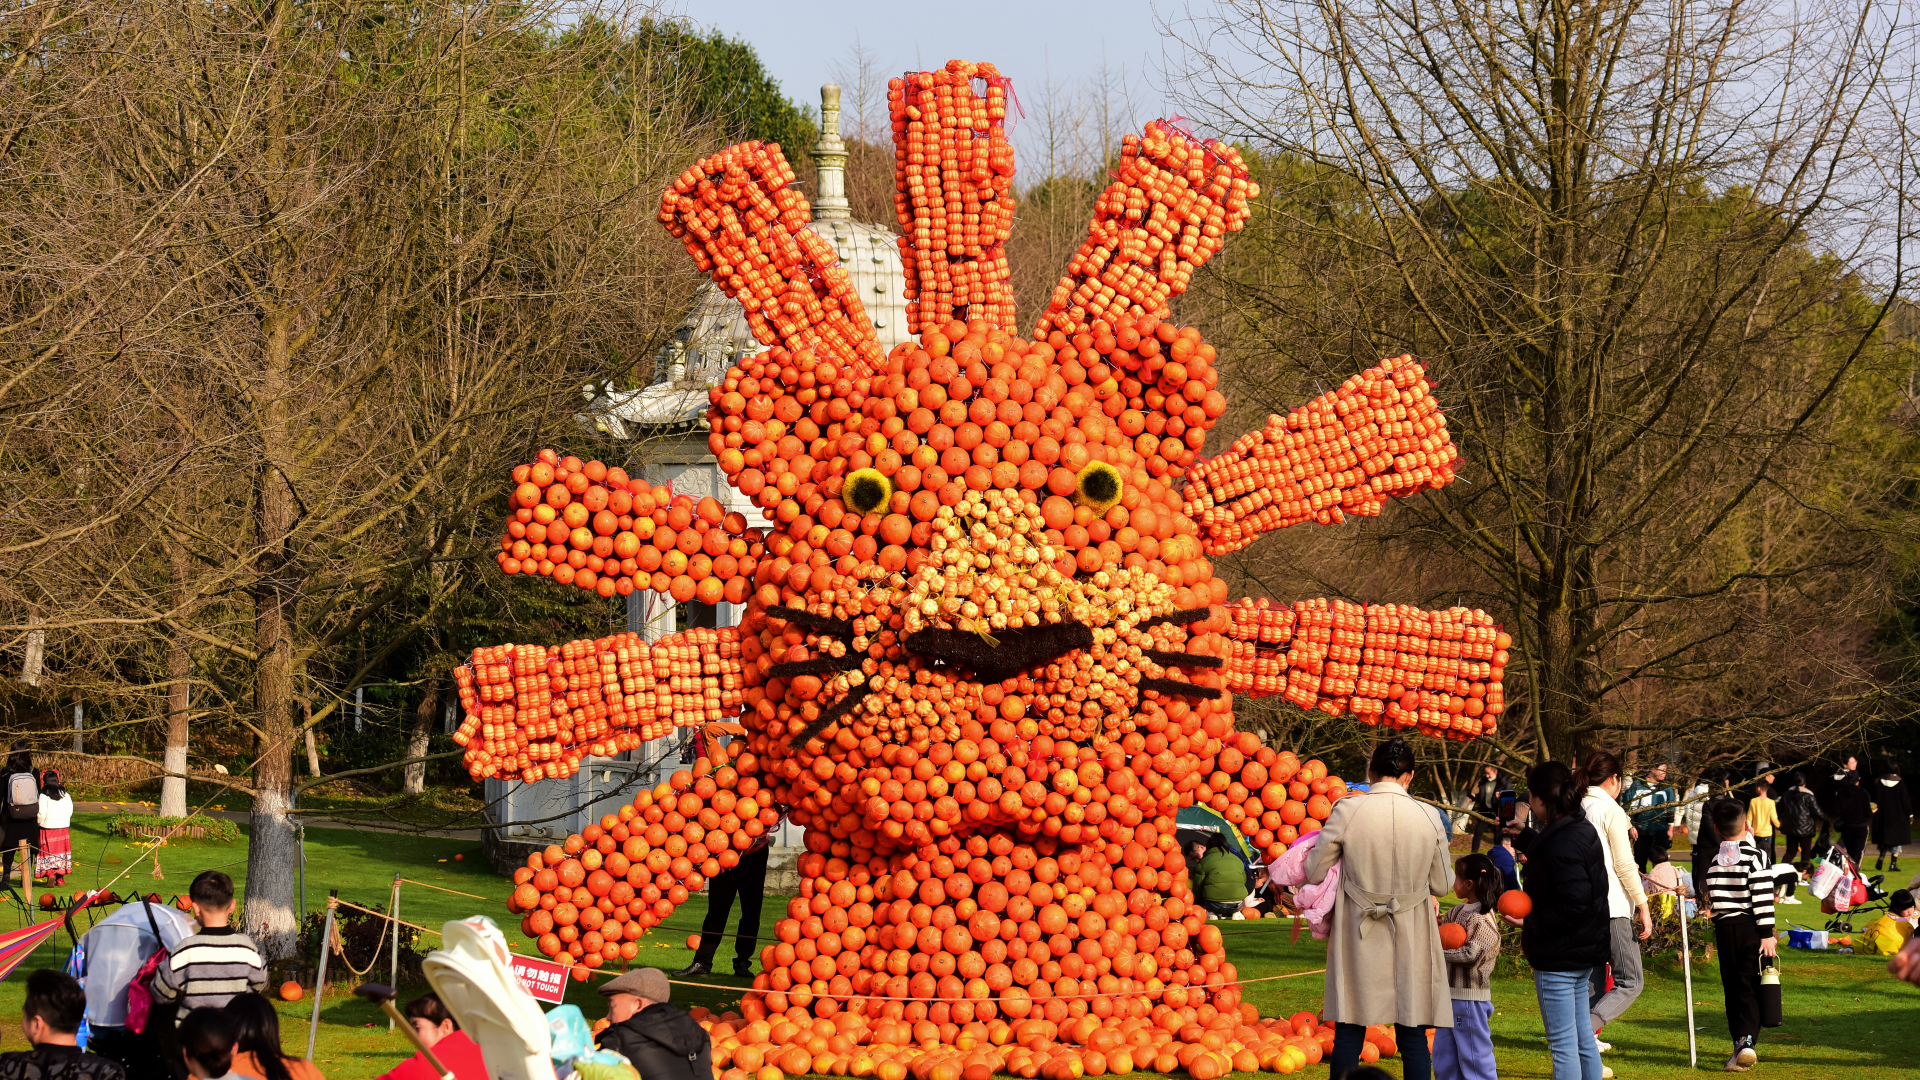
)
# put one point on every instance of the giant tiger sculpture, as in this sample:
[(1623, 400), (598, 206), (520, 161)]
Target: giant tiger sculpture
[(984, 659)]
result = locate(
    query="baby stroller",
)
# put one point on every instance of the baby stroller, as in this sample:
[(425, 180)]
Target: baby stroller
[(1843, 891)]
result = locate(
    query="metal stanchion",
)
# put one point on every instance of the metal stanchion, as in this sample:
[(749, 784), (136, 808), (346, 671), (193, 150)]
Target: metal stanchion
[(320, 984), (393, 970), (1686, 970)]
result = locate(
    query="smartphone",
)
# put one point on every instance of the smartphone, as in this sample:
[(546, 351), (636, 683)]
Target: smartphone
[(1503, 805)]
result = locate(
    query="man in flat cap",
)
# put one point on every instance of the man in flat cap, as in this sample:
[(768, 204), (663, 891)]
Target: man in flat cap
[(662, 1041)]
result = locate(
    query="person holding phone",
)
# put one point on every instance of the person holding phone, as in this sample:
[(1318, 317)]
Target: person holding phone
[(1486, 802)]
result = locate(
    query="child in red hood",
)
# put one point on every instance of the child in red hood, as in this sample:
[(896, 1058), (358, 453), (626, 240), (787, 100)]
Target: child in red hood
[(441, 1033)]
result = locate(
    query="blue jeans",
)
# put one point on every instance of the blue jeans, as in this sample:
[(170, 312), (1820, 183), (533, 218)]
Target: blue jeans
[(1465, 1050), (1563, 1009), (1416, 1061)]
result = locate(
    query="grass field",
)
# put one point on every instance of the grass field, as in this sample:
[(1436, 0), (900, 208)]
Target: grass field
[(1843, 1013)]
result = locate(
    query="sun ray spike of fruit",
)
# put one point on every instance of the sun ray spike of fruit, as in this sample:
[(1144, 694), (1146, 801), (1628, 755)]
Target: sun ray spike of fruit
[(953, 172), (984, 659)]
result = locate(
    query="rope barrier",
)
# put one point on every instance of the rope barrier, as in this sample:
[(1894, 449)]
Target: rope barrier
[(456, 892), (950, 1000), (383, 915), (603, 972)]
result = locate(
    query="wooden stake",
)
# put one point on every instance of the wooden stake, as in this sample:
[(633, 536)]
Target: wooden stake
[(320, 984)]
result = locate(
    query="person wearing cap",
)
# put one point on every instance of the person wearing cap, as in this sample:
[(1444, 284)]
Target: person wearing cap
[(661, 1040)]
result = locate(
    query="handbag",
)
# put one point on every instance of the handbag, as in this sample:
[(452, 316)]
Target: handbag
[(1840, 900), (140, 990), (1827, 875), (140, 993), (1770, 1015)]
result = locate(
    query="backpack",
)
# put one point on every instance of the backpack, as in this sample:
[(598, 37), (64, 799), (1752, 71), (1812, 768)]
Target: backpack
[(23, 797)]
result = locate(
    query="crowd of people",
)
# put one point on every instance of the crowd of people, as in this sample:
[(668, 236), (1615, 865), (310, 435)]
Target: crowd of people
[(209, 1020), (1590, 845)]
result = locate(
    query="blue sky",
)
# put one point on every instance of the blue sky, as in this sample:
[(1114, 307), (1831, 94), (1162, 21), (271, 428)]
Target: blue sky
[(1065, 41)]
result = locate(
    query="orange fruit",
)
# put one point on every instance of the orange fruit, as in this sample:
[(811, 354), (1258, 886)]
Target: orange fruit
[(1515, 904)]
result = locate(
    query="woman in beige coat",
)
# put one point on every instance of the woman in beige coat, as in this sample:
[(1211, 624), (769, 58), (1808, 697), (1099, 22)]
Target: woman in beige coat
[(1383, 957)]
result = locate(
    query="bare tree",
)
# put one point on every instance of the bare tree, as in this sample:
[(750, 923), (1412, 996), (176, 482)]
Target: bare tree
[(1647, 251), (1067, 141), (358, 267)]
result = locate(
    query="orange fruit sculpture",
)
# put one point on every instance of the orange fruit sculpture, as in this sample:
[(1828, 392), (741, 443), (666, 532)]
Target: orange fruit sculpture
[(985, 659)]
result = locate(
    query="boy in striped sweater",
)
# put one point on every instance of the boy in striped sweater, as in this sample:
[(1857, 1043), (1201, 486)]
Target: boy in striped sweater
[(214, 966), (1738, 891)]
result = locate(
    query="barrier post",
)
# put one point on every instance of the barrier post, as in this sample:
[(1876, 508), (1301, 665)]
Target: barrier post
[(393, 971), (320, 983), (1686, 969), (26, 875)]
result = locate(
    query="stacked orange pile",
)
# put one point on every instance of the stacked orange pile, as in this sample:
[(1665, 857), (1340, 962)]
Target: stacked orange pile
[(745, 226), (1088, 913), (1171, 205), (953, 179), (589, 900), (968, 409), (1379, 436), (1439, 672), (535, 712), (1202, 1041), (1154, 379), (1271, 797), (582, 523)]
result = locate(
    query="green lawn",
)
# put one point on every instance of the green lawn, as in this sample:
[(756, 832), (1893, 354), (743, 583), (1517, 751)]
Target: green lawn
[(1843, 1012)]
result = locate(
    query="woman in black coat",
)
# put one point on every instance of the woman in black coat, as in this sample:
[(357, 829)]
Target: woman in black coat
[(1892, 816), (1852, 813), (1566, 937)]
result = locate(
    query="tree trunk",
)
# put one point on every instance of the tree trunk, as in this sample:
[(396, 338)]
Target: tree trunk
[(274, 849), (35, 663), (423, 719), (173, 788)]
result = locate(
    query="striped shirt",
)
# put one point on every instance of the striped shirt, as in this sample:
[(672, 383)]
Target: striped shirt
[(1744, 888), (209, 969)]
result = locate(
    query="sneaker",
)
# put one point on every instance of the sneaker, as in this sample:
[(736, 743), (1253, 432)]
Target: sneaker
[(1788, 900), (1606, 1073), (1603, 1045), (1743, 1059)]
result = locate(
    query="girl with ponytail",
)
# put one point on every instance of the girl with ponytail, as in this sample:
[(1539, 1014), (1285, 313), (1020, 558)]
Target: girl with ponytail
[(1465, 1050)]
